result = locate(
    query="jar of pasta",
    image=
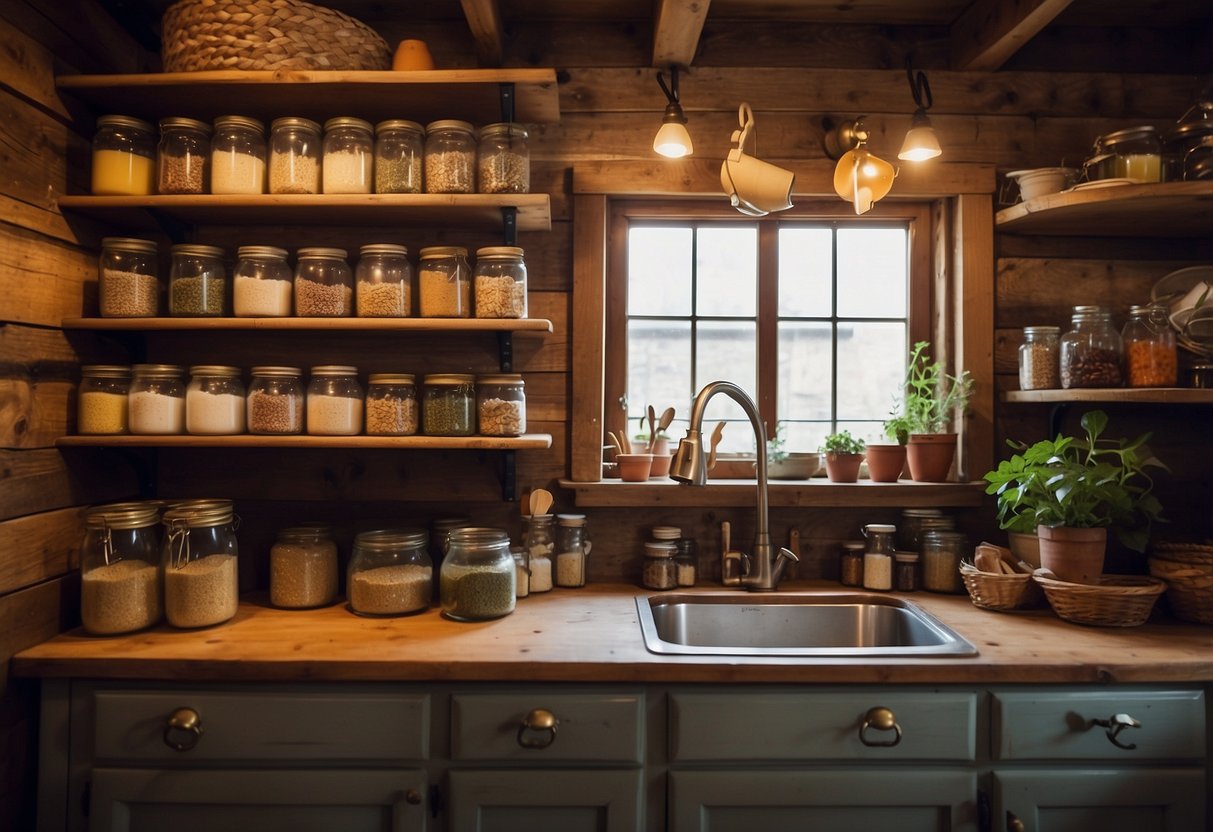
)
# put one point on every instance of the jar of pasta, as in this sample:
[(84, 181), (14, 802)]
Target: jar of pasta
[(448, 405), (324, 284), (128, 285), (450, 157), (120, 589), (197, 282), (349, 156), (500, 282), (295, 156), (391, 405), (444, 285), (238, 156), (501, 405), (124, 157), (334, 401), (384, 281), (390, 572), (503, 162), (262, 283), (399, 154), (214, 401), (201, 581), (303, 568), (156, 402), (275, 401), (101, 405)]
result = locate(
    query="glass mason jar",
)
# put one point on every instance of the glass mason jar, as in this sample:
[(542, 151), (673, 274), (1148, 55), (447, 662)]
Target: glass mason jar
[(942, 553), (334, 401), (391, 404), (915, 521), (540, 546), (238, 156), (124, 157), (659, 570), (448, 405), (183, 156), (214, 401), (878, 556), (1151, 359), (303, 568), (503, 161), (1038, 358), (101, 400), (156, 402), (128, 283), (501, 405), (324, 284), (275, 401), (349, 156), (295, 155), (197, 282), (686, 561), (262, 283), (120, 589), (201, 581), (850, 564), (477, 580), (905, 571), (450, 157), (571, 550), (384, 281), (500, 282), (390, 572), (444, 285), (1091, 351), (440, 531), (1136, 153), (399, 154)]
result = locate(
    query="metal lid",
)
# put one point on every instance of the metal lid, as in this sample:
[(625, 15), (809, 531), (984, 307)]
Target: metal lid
[(303, 534), (163, 370), (922, 512), (570, 519), (294, 123), (128, 244), (499, 253), (197, 502), (105, 370), (1041, 330), (503, 127), (240, 121), (348, 121), (215, 370), (383, 248), (193, 250), (444, 379), (382, 540), (443, 251), (182, 123), (202, 514), (126, 121), (450, 124), (854, 546), (1187, 131), (391, 378), (1128, 134), (477, 535), (501, 378), (334, 370), (261, 251), (281, 372), (666, 532), (322, 253), (880, 528), (659, 548), (905, 557), (399, 124), (129, 515), (940, 535)]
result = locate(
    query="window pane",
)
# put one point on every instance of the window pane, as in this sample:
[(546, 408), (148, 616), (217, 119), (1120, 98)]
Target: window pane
[(727, 271), (871, 369), (659, 368), (659, 271), (872, 265), (804, 437), (805, 378), (804, 272), (727, 351)]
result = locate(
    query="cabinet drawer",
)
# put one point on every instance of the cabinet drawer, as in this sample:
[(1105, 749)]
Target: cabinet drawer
[(1053, 725), (935, 725), (260, 725), (600, 727)]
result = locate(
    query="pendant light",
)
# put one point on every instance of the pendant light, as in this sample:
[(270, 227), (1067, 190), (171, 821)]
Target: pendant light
[(920, 143), (672, 140), (860, 177)]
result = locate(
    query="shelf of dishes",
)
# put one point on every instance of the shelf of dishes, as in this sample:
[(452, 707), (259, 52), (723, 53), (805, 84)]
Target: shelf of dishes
[(1115, 208)]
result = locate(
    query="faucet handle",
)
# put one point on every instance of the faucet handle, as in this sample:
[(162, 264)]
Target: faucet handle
[(785, 552)]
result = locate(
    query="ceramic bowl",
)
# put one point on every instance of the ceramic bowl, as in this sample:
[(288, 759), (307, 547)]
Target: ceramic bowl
[(796, 466), (634, 467), (1040, 181)]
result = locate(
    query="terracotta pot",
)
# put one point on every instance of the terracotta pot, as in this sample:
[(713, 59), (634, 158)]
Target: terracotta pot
[(661, 459), (930, 456), (634, 467), (1024, 546), (843, 467), (1074, 555), (885, 462)]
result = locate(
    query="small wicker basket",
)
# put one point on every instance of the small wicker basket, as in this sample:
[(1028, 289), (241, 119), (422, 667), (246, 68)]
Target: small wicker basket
[(1116, 601), (1188, 571), (1000, 592)]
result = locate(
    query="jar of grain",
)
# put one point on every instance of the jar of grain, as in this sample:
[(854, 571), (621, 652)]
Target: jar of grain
[(275, 401), (390, 572), (878, 556), (572, 548), (303, 568), (101, 400), (262, 283), (120, 589), (500, 282), (201, 581), (334, 401), (156, 402), (450, 157), (349, 156), (659, 570), (1151, 359), (503, 161), (448, 405), (124, 157), (128, 285), (238, 154), (942, 553), (295, 156), (686, 561), (1091, 351), (478, 574), (384, 281), (197, 282), (501, 405), (399, 151), (850, 564), (540, 546), (444, 286), (1038, 358), (214, 401), (391, 404), (183, 156), (324, 284)]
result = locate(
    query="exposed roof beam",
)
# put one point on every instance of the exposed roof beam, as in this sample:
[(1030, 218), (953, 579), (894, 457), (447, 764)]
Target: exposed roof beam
[(677, 25), (484, 19), (989, 32)]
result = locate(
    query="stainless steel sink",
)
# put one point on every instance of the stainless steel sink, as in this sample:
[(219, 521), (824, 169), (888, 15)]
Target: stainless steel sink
[(794, 624)]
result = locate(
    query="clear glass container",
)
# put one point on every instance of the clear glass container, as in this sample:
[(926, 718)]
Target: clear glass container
[(450, 157), (120, 581), (572, 548), (156, 402), (303, 568), (503, 160), (478, 575), (214, 401), (1151, 358), (686, 560), (128, 283), (905, 571), (850, 564), (540, 546), (522, 572), (101, 399), (384, 280), (334, 401), (659, 570), (238, 154), (275, 401), (201, 579), (390, 572), (942, 553), (448, 405), (391, 404), (440, 530), (324, 284), (500, 282), (399, 157), (349, 156), (501, 405), (183, 156), (1091, 351), (197, 285), (444, 283), (878, 556), (1136, 153), (124, 157), (915, 521), (295, 156), (262, 283), (1038, 358)]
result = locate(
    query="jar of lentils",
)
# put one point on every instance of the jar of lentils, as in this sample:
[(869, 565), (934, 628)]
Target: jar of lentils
[(660, 570), (448, 405), (500, 282), (201, 581), (197, 282), (262, 283), (214, 401), (384, 281), (334, 401), (238, 156), (349, 156), (1091, 351), (450, 157), (156, 402), (295, 156), (942, 553), (399, 154), (324, 284), (478, 575), (1151, 359), (391, 405), (503, 161), (184, 156), (127, 281), (303, 568), (275, 401), (1038, 358), (101, 405), (501, 405), (120, 588), (444, 283), (390, 572), (124, 157)]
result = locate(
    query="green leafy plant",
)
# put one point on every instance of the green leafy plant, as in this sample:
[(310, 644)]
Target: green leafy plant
[(842, 443), (931, 395), (1085, 482), (776, 450), (898, 427)]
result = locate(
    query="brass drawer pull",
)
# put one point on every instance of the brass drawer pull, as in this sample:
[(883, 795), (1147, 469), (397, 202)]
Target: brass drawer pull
[(1116, 723), (538, 729), (183, 730), (1014, 824), (880, 719)]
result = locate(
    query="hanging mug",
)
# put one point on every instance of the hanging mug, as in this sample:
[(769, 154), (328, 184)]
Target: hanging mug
[(754, 187)]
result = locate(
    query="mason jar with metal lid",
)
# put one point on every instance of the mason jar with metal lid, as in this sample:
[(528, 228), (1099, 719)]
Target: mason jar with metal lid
[(295, 156), (1151, 358), (1092, 351), (262, 283), (391, 404), (124, 157), (334, 401), (503, 160), (501, 405), (120, 586), (238, 156), (1136, 154), (450, 157), (201, 581), (183, 156), (390, 572), (197, 282), (399, 155), (156, 402), (572, 548), (444, 285), (214, 401), (275, 401), (324, 284), (1038, 358), (478, 575), (500, 282), (303, 568), (660, 570), (101, 400), (128, 282), (349, 156), (448, 405), (941, 555), (384, 281)]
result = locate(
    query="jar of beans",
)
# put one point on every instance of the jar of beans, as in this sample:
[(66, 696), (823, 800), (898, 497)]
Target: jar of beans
[(124, 157), (295, 156), (183, 157), (399, 152), (334, 401), (101, 405), (349, 156), (324, 284), (201, 579), (384, 281), (1151, 359), (197, 282), (391, 405), (500, 282), (1038, 358), (303, 568), (238, 154), (127, 281), (156, 401), (262, 283), (503, 162), (1091, 351), (478, 575), (275, 401), (390, 572), (120, 589), (450, 157), (448, 405), (501, 405)]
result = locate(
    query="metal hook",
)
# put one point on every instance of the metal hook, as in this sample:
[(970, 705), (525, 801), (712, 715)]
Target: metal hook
[(1116, 723), (671, 92), (920, 88)]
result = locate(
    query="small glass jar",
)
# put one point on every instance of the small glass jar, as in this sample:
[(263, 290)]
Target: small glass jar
[(880, 537), (500, 282), (1151, 359), (303, 568), (120, 583), (942, 553), (324, 284), (440, 532), (214, 401), (1091, 351), (448, 405), (850, 564), (262, 283), (659, 571), (197, 285), (686, 561), (478, 575), (349, 156), (124, 157), (201, 579), (450, 157), (101, 400), (915, 521), (444, 283), (390, 572), (238, 156), (878, 556), (391, 404), (522, 572), (156, 402), (571, 549), (1136, 153), (905, 571), (334, 401), (503, 161), (128, 285), (1038, 358), (540, 548), (295, 156), (501, 405), (275, 401), (399, 155), (1200, 376), (183, 156), (384, 281)]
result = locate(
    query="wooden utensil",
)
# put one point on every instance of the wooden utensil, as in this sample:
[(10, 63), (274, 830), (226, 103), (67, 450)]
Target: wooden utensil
[(652, 414), (667, 419), (541, 501), (715, 440)]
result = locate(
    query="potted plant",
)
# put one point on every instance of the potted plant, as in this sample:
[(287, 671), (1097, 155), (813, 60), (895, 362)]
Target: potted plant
[(844, 455), (655, 440), (932, 397), (886, 461), (789, 465), (1072, 490)]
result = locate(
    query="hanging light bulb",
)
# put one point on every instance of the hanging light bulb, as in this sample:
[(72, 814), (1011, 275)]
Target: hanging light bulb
[(920, 142), (672, 139)]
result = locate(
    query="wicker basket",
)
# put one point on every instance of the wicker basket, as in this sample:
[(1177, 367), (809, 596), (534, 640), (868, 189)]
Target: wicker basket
[(1000, 592), (1188, 571), (1116, 601), (267, 34)]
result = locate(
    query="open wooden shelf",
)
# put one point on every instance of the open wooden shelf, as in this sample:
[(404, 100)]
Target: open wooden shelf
[(520, 326), (1128, 395), (1164, 209), (484, 443), (815, 493)]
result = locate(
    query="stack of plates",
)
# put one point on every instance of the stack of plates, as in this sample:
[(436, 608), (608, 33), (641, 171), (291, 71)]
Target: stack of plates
[(1188, 294)]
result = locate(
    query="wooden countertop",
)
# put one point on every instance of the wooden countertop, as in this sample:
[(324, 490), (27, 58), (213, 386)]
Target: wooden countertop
[(592, 635)]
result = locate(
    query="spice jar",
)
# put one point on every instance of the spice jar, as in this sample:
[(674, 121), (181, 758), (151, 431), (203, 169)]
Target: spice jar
[(522, 572), (262, 283), (127, 281), (275, 401), (500, 282), (1091, 350), (1038, 358), (448, 405), (540, 549), (850, 563), (201, 582), (303, 568), (390, 572), (391, 405), (478, 575), (686, 561), (324, 284), (942, 553), (214, 401), (572, 547), (450, 157), (183, 156), (349, 156), (503, 161), (238, 156), (101, 400), (659, 570), (384, 281), (1201, 376), (905, 571), (120, 588), (295, 155), (1151, 359), (124, 157), (156, 402), (197, 282), (878, 556), (500, 405), (334, 401), (399, 152), (444, 285)]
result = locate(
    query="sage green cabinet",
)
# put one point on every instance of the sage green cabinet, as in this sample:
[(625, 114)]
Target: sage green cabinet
[(1109, 800), (582, 800)]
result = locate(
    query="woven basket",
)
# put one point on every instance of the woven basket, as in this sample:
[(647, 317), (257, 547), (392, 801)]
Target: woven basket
[(1188, 571), (267, 34), (1000, 592), (1116, 601)]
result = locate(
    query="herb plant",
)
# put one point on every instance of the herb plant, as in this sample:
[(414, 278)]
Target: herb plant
[(932, 396), (842, 443)]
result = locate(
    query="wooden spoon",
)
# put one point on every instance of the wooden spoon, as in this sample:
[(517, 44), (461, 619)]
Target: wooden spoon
[(652, 427), (667, 419), (715, 440), (541, 501)]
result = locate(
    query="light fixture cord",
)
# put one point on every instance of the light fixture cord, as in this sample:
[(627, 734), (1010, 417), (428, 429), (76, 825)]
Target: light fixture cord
[(920, 88), (671, 92)]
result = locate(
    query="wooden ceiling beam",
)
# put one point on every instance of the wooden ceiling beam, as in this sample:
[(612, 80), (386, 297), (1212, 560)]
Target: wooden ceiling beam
[(677, 25), (989, 32), (484, 19)]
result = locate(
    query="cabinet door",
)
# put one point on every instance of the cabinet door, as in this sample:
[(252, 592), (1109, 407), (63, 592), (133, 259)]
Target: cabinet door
[(1110, 800), (524, 801)]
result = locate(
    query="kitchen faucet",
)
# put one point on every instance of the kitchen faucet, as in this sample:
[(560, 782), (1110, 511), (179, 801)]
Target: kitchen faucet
[(764, 568)]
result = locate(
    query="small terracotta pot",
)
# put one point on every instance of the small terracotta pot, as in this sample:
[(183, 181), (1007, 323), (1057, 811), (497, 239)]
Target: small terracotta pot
[(1024, 546), (843, 467), (930, 456), (661, 459), (634, 467), (885, 462), (1074, 555)]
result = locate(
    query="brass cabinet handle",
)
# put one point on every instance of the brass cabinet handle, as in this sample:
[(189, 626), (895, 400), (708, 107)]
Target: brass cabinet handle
[(183, 729), (412, 797), (1014, 824), (1116, 723), (538, 729), (880, 719)]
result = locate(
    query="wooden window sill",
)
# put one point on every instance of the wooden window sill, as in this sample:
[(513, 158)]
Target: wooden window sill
[(815, 493)]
